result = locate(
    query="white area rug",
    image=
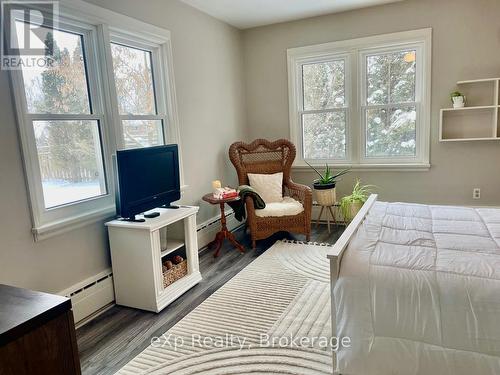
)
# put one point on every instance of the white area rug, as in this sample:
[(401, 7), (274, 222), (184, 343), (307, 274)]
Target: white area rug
[(271, 318)]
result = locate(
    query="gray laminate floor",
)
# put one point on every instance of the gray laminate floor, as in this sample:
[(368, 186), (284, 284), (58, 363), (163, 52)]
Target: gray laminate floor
[(112, 339)]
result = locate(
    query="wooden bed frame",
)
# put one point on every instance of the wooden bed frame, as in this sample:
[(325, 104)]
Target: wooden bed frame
[(335, 257)]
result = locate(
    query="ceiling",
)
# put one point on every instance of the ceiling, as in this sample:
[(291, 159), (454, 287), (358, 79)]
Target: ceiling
[(245, 14)]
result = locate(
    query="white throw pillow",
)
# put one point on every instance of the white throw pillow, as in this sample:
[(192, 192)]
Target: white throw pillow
[(269, 186)]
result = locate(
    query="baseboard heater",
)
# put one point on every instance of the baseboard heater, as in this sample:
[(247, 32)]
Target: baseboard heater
[(214, 221), (91, 297), (208, 229)]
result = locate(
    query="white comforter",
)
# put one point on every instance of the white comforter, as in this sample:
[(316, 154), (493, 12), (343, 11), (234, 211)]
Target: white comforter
[(419, 292)]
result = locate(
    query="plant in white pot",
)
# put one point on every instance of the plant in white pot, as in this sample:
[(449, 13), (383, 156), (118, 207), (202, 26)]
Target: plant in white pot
[(458, 99), (351, 204), (324, 186)]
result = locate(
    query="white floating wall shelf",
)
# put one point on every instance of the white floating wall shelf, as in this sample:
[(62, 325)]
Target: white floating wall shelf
[(479, 120)]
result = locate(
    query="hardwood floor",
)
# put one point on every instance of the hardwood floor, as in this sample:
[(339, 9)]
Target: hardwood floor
[(111, 340)]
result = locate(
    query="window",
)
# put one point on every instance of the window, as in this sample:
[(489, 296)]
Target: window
[(105, 90), (324, 110), (141, 125), (65, 118), (363, 102), (390, 104)]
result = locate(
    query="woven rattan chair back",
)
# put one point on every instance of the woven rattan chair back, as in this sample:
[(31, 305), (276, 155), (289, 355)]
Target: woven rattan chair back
[(263, 157)]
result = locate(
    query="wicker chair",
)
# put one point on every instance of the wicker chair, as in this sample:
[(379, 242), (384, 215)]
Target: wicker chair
[(264, 157)]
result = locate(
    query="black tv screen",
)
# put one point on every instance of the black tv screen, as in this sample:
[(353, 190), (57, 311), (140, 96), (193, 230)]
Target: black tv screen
[(147, 178)]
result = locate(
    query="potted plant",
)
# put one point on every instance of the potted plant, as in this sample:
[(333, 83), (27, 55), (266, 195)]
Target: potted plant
[(351, 204), (324, 186), (458, 99)]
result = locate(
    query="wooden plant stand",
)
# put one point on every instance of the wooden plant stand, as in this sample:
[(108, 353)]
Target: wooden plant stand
[(330, 209), (224, 232)]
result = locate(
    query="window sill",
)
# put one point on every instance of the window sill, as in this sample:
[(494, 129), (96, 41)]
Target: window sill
[(372, 167), (55, 228), (45, 231)]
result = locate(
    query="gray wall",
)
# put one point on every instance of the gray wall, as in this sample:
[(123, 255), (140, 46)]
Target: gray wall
[(209, 80), (213, 62), (466, 45)]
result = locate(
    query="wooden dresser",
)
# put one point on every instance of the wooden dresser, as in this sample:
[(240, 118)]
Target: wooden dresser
[(37, 333)]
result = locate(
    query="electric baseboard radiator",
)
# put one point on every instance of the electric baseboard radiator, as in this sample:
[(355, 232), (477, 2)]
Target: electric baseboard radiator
[(91, 296)]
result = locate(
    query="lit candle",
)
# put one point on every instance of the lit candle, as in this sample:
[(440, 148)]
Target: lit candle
[(216, 185)]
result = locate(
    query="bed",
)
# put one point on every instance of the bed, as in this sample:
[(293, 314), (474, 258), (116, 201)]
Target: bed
[(416, 288)]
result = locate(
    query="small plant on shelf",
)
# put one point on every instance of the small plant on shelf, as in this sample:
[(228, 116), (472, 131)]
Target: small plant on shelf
[(458, 99), (351, 204), (325, 185)]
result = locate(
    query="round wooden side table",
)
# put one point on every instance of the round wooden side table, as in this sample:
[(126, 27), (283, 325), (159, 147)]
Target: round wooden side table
[(224, 232)]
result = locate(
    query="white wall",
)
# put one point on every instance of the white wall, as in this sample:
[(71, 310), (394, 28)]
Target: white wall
[(209, 79), (466, 45)]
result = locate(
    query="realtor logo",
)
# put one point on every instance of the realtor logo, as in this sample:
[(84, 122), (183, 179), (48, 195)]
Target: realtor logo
[(27, 33)]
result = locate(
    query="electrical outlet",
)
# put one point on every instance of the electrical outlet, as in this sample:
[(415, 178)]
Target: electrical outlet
[(476, 193)]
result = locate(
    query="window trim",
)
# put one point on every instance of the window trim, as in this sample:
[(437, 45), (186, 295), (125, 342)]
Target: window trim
[(98, 23), (355, 142)]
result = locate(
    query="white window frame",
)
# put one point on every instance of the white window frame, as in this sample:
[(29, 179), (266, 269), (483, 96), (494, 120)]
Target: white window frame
[(357, 49), (100, 27), (133, 41), (346, 107), (420, 146)]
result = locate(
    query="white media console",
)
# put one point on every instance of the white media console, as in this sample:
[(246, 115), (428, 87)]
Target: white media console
[(137, 249)]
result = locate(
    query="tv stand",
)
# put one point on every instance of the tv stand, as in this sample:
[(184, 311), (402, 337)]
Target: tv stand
[(137, 252)]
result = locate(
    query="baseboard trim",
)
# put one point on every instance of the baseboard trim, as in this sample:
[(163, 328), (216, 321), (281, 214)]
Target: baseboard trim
[(94, 295)]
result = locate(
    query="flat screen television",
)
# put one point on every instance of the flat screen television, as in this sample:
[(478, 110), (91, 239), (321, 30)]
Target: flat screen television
[(147, 178)]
